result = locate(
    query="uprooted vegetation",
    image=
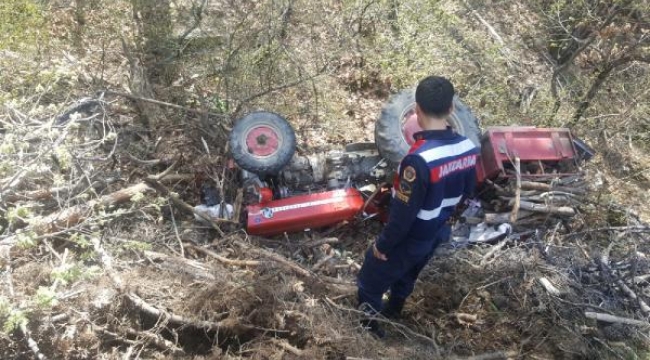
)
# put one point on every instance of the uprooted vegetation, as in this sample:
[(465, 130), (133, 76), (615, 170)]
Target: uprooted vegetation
[(101, 259)]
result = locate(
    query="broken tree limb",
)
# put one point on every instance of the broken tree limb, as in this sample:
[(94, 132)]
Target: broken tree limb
[(515, 208), (77, 214), (615, 319), (224, 325), (547, 209)]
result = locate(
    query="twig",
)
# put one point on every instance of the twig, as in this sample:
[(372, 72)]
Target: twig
[(322, 262), (164, 173), (147, 336), (494, 250), (629, 229), (33, 345), (222, 259), (383, 320), (278, 88), (603, 262), (286, 346), (615, 319), (318, 242), (515, 208), (162, 103), (499, 355), (549, 287), (199, 324)]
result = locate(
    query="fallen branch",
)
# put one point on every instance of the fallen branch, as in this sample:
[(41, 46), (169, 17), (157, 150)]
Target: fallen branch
[(77, 214), (234, 328), (222, 259), (549, 287), (615, 319), (177, 264), (155, 339)]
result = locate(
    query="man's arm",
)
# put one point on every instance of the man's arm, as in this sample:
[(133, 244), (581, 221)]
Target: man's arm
[(406, 202)]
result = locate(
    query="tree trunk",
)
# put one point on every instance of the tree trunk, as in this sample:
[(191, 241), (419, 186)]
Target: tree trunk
[(155, 23), (593, 90)]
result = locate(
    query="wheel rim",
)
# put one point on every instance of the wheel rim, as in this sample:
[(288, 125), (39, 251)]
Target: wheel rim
[(263, 140), (409, 124)]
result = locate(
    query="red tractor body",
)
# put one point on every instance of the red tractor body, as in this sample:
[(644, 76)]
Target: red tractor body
[(542, 152), (302, 212)]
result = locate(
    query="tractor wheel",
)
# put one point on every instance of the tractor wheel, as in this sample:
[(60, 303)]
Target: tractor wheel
[(397, 124), (262, 143)]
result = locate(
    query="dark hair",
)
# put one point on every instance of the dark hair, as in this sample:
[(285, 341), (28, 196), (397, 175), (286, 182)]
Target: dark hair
[(435, 94)]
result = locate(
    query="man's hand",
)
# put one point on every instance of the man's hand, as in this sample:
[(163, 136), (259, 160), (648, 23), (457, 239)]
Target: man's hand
[(377, 254)]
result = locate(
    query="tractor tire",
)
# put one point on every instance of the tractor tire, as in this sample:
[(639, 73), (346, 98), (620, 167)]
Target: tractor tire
[(262, 143), (390, 138)]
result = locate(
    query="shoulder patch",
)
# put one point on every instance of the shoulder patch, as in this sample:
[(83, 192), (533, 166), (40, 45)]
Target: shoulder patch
[(409, 174)]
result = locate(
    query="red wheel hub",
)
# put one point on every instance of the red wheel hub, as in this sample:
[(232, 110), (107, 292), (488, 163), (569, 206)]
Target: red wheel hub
[(262, 140), (410, 126)]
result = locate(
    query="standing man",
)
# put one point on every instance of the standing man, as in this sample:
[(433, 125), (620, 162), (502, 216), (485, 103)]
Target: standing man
[(433, 178)]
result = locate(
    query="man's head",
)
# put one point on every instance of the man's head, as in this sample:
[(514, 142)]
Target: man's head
[(434, 97)]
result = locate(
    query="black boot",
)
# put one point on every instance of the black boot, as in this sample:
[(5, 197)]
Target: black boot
[(393, 310), (373, 327)]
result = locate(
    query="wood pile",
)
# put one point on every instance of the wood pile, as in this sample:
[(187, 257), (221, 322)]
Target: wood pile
[(529, 200)]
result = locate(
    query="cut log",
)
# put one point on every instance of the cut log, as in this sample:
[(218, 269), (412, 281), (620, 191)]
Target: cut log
[(540, 186), (500, 218), (548, 209)]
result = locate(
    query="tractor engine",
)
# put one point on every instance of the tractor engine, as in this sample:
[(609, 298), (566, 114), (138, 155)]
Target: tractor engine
[(359, 164)]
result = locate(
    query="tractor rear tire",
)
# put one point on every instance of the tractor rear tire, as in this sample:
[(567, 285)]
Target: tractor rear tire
[(390, 139), (262, 143)]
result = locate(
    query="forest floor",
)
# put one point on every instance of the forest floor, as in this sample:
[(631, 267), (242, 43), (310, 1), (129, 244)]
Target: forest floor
[(100, 260)]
